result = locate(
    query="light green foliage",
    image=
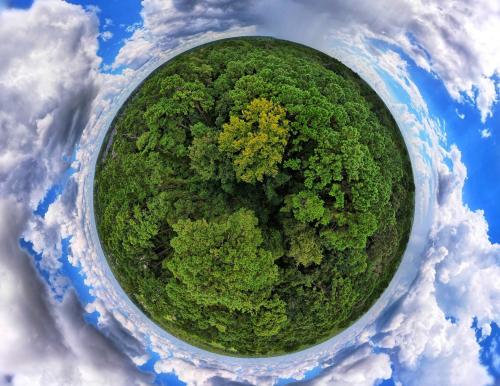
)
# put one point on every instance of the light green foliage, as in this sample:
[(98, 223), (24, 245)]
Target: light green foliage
[(256, 197), (305, 245), (307, 206), (270, 318), (221, 262)]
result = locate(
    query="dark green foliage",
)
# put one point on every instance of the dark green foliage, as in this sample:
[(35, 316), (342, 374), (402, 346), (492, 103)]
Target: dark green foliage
[(256, 198)]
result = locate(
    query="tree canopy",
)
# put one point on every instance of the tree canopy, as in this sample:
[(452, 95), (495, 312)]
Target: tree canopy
[(254, 196)]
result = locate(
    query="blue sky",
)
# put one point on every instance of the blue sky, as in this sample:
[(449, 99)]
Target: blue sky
[(119, 17), (23, 4), (480, 154)]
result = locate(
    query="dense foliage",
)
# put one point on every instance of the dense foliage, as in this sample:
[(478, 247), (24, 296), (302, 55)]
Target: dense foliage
[(256, 197)]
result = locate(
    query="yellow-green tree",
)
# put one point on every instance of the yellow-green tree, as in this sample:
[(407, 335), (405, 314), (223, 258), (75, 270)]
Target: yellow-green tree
[(256, 141)]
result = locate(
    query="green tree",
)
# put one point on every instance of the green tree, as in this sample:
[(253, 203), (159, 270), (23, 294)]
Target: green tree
[(308, 207), (305, 245), (270, 318), (221, 262)]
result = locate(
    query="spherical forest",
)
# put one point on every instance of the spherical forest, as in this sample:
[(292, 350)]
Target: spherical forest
[(253, 196)]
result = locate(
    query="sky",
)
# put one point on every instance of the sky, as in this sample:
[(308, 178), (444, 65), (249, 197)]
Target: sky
[(65, 68)]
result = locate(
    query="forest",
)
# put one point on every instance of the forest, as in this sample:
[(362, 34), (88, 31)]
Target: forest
[(254, 196)]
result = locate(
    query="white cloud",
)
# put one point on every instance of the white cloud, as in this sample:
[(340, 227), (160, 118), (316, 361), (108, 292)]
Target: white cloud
[(460, 115), (169, 23), (360, 368), (37, 75), (194, 374), (486, 97), (47, 343), (456, 41), (106, 35), (458, 279), (48, 73), (485, 133)]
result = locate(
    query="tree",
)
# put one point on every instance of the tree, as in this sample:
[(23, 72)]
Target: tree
[(203, 152), (270, 318), (324, 167), (221, 262), (308, 207), (305, 245), (256, 141)]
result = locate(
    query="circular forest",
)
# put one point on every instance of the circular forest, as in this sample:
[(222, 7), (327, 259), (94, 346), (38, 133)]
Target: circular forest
[(254, 196)]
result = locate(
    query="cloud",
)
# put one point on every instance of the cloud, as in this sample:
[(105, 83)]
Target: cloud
[(37, 75), (431, 328), (106, 35), (460, 115), (196, 375), (47, 343), (48, 85), (361, 368), (453, 40), (108, 22), (170, 23), (485, 133)]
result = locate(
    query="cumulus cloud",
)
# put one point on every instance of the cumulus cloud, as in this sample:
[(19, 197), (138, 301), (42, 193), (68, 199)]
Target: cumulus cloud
[(485, 133), (43, 342), (37, 75), (431, 327), (170, 23), (48, 73), (452, 40), (106, 35)]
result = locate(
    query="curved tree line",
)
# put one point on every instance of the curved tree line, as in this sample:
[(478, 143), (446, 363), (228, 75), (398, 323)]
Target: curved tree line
[(257, 196)]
